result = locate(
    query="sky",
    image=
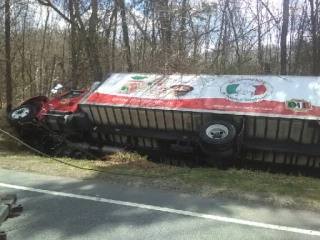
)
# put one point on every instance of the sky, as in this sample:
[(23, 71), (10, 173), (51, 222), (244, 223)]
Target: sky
[(40, 12)]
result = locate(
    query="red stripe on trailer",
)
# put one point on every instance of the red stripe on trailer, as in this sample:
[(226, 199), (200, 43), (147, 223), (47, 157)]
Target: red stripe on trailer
[(221, 104)]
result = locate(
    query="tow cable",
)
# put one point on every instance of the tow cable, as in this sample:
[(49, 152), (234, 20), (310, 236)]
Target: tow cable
[(45, 155), (75, 166)]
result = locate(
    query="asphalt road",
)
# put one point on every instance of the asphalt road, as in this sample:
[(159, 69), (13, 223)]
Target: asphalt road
[(62, 208)]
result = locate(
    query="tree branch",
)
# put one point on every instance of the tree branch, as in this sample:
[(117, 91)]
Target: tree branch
[(49, 4), (267, 8), (141, 30)]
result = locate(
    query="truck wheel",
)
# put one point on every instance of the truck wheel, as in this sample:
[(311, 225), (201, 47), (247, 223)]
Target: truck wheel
[(22, 114), (216, 138)]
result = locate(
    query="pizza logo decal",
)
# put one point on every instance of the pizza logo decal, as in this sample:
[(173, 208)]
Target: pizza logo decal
[(246, 90), (298, 105)]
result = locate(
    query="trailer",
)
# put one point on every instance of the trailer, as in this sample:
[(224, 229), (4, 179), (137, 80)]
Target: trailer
[(221, 119)]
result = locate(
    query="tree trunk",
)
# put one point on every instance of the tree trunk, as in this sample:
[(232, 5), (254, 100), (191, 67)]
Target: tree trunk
[(73, 48), (42, 52), (315, 64), (92, 39), (8, 56), (1, 84), (125, 34), (182, 32), (207, 39), (108, 33), (224, 39), (260, 53), (146, 13), (23, 58), (317, 10), (300, 34), (283, 41), (50, 80), (236, 40), (142, 31), (154, 39), (220, 41), (165, 27), (114, 40)]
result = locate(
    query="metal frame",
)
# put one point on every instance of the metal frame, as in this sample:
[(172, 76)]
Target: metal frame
[(267, 140)]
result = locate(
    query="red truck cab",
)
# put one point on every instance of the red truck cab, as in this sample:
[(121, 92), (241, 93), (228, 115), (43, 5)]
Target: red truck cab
[(40, 107)]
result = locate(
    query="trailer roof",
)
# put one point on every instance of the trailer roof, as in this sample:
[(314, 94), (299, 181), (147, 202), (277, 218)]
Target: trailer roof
[(278, 96)]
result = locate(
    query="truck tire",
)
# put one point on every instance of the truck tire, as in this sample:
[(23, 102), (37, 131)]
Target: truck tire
[(22, 114), (216, 138)]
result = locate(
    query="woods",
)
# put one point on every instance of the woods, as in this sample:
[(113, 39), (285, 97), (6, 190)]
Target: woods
[(77, 42)]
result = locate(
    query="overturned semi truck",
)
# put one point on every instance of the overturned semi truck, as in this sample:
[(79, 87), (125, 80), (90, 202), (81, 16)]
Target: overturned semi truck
[(221, 119)]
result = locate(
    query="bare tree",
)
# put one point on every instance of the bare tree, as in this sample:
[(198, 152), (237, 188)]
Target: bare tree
[(164, 18), (96, 37), (182, 32), (114, 32), (314, 7), (235, 38), (299, 40), (260, 52), (284, 33), (112, 21), (8, 55), (89, 38), (73, 47), (92, 39), (125, 34), (41, 68)]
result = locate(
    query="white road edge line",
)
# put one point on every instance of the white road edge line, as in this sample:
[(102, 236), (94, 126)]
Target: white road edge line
[(167, 210)]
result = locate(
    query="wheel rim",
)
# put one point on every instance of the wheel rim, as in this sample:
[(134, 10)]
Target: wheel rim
[(20, 113), (217, 131)]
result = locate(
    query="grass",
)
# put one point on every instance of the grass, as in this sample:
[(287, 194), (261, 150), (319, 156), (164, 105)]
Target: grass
[(292, 191), (257, 181)]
